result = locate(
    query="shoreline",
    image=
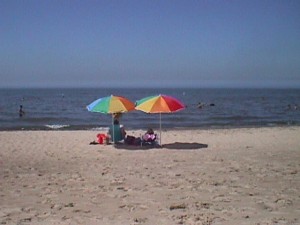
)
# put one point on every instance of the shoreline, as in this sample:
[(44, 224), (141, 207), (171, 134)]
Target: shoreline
[(67, 128), (232, 176)]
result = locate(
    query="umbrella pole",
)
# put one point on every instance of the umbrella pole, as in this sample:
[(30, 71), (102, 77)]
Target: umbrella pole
[(113, 130), (160, 128)]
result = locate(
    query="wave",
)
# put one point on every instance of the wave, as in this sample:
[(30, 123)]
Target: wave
[(56, 126)]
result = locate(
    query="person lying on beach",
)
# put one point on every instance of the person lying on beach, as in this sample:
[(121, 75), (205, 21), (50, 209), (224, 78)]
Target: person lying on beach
[(149, 138)]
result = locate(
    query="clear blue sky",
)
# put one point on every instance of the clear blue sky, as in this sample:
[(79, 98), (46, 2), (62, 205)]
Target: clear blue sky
[(149, 43)]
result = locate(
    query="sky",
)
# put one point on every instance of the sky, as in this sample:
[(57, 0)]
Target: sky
[(150, 43)]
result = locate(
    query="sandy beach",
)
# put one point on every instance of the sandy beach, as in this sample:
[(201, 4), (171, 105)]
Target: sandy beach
[(204, 177)]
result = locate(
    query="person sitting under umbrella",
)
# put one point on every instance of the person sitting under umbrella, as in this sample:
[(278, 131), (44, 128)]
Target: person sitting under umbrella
[(116, 132), (149, 138)]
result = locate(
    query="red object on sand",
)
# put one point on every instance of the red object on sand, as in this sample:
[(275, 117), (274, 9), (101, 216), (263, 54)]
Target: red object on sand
[(101, 138)]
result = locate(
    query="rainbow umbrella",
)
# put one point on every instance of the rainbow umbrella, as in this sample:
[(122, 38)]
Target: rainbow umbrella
[(110, 105), (159, 104)]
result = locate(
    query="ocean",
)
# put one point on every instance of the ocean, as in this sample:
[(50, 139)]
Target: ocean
[(65, 109)]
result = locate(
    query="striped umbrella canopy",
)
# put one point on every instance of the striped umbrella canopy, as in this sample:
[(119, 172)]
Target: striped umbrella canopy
[(159, 104), (111, 105)]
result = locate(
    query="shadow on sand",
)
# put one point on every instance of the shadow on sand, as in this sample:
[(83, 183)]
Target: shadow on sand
[(184, 146), (174, 146)]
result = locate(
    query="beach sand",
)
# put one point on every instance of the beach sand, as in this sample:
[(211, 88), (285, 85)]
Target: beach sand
[(205, 177)]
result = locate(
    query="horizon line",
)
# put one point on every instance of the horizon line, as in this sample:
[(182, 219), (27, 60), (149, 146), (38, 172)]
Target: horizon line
[(153, 87)]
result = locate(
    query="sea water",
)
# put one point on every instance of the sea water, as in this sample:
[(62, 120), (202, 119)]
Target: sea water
[(65, 109)]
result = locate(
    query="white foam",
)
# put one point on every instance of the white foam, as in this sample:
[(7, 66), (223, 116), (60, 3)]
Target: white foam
[(56, 126), (100, 129)]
